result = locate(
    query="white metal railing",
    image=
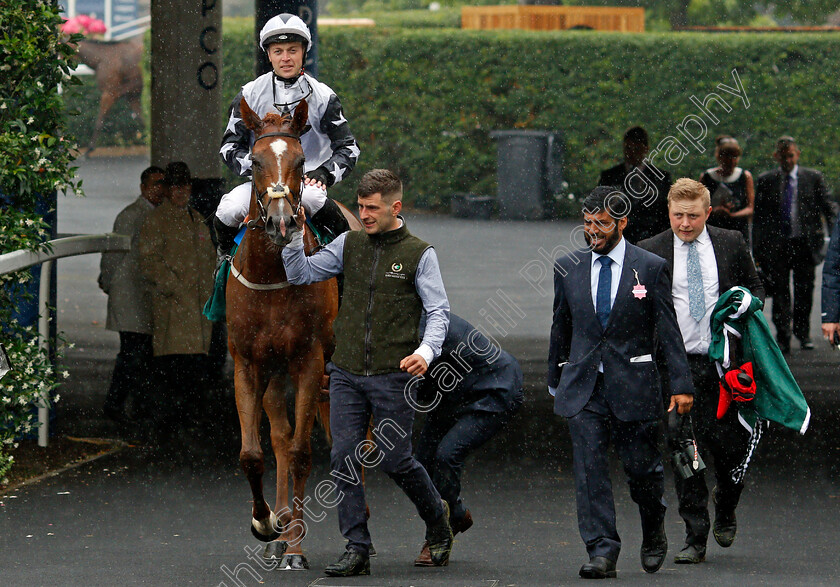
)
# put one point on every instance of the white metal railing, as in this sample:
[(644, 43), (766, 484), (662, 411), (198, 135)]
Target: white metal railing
[(69, 246), (126, 30)]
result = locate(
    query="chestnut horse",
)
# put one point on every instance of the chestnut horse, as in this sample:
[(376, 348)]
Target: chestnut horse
[(275, 328), (118, 74)]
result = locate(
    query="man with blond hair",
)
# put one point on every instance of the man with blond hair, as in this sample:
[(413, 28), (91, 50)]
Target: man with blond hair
[(705, 262)]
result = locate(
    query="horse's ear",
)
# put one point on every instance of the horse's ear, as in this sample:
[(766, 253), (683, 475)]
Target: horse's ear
[(300, 117), (249, 117)]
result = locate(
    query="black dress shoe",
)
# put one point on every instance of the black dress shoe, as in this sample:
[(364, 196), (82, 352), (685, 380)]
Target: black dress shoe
[(724, 528), (351, 563), (806, 345), (691, 555), (725, 525), (654, 549), (598, 567)]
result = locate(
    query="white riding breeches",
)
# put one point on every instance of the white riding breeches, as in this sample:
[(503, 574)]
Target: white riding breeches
[(234, 205)]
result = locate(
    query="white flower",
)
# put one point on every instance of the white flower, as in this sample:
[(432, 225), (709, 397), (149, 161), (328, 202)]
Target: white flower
[(30, 120), (3, 106), (56, 398), (65, 374), (40, 85), (29, 222)]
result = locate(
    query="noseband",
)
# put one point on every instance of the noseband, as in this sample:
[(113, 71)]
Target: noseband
[(274, 192)]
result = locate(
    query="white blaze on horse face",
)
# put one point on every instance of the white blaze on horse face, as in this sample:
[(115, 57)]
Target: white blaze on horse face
[(279, 147)]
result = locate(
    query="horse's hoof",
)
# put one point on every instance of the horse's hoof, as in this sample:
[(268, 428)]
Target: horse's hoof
[(265, 532), (275, 550), (293, 562)]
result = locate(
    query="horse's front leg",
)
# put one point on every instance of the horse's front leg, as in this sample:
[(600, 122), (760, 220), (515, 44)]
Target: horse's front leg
[(306, 372), (250, 386), (274, 403)]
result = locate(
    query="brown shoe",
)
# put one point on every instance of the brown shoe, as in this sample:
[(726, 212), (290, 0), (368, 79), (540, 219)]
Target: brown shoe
[(463, 524), (425, 558)]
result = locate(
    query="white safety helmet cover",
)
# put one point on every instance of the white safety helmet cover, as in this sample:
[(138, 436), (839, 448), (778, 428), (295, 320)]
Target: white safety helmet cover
[(285, 24)]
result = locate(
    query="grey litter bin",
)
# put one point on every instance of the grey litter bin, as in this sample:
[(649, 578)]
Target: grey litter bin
[(529, 171)]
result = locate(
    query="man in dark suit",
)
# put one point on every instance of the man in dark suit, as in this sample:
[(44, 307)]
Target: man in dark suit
[(612, 314), (647, 186), (705, 262), (470, 392), (790, 205)]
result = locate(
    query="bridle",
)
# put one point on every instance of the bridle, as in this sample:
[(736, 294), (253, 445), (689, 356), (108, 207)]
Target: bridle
[(274, 192)]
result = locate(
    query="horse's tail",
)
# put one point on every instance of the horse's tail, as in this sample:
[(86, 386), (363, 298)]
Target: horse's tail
[(322, 414)]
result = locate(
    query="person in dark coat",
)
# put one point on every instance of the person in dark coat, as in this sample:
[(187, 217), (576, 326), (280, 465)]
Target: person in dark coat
[(705, 262), (613, 314), (472, 390), (791, 203), (831, 289), (647, 186), (130, 306)]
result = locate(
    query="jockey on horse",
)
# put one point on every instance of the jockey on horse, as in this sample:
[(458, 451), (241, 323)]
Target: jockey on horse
[(328, 145)]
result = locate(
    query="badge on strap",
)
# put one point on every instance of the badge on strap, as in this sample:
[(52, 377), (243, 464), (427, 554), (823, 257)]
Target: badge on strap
[(639, 290)]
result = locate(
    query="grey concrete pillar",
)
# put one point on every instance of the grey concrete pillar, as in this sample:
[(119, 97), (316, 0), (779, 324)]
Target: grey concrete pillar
[(186, 94)]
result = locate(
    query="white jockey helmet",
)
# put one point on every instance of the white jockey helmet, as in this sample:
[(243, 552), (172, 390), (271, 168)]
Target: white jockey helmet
[(285, 28)]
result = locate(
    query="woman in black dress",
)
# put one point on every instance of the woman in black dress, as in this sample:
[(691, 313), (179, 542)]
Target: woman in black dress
[(731, 188)]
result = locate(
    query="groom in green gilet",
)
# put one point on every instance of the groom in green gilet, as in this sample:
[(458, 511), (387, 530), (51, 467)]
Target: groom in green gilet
[(390, 279)]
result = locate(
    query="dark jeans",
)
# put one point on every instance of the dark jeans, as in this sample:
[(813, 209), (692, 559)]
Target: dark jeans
[(132, 374), (353, 400), (794, 256), (725, 440), (446, 440), (637, 445)]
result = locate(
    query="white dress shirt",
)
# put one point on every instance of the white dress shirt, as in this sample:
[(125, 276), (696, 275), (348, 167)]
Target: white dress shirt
[(696, 335)]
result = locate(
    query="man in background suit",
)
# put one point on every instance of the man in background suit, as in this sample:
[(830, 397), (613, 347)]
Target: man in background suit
[(790, 205), (647, 186), (705, 262), (612, 314), (130, 306)]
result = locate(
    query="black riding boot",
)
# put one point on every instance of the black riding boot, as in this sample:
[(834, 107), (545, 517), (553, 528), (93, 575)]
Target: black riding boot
[(329, 221), (224, 236)]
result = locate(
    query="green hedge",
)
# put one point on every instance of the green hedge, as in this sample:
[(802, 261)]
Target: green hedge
[(423, 102)]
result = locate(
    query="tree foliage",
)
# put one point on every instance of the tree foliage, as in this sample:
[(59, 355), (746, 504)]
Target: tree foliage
[(35, 159)]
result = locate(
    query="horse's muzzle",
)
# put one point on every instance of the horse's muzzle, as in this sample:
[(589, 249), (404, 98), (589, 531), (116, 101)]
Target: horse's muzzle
[(280, 229)]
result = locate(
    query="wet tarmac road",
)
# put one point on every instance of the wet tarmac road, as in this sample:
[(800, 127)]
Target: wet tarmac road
[(140, 518)]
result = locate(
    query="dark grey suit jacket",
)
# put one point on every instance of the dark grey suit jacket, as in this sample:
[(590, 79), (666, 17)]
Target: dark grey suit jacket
[(638, 329), (813, 202)]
